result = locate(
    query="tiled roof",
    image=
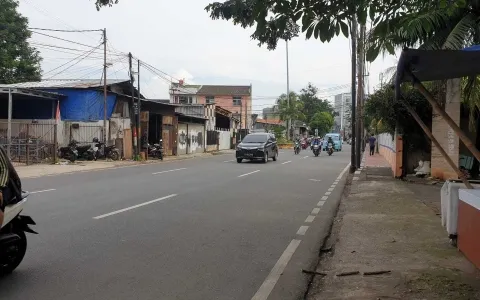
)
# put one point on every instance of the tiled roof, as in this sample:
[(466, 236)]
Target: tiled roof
[(67, 83), (225, 90)]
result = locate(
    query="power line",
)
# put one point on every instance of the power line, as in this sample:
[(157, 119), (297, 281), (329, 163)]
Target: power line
[(61, 39), (86, 55), (64, 30), (68, 62)]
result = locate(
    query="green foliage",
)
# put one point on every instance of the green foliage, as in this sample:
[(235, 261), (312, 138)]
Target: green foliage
[(278, 131), (323, 121), (18, 60), (290, 108), (312, 104), (384, 113), (100, 3), (319, 19)]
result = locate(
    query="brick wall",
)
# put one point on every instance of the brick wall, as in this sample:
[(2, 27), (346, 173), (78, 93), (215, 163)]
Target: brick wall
[(391, 149), (445, 135)]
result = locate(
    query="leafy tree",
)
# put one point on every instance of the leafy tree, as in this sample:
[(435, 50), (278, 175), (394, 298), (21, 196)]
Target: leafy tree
[(312, 104), (100, 3), (320, 19), (18, 60), (292, 110), (323, 121)]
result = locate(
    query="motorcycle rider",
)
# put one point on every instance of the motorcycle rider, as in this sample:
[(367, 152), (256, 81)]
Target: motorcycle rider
[(329, 141)]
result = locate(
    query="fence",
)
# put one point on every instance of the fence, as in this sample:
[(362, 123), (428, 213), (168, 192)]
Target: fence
[(224, 141), (84, 133), (30, 142)]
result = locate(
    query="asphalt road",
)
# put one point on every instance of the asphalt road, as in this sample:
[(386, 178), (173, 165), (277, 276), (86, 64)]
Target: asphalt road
[(205, 228)]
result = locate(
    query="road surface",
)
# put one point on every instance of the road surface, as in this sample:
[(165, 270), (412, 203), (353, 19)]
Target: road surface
[(205, 228)]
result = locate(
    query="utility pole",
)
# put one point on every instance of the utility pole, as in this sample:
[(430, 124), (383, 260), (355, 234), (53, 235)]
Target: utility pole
[(353, 162), (105, 86), (363, 30), (289, 122), (359, 95), (139, 104), (133, 110)]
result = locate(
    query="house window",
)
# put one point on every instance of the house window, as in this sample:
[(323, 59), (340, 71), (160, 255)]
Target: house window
[(237, 101), (209, 99), (185, 99)]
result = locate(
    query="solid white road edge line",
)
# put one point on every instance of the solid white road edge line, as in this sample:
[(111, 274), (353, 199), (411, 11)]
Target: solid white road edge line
[(286, 162), (229, 161), (42, 191), (272, 278), (133, 207), (168, 171), (309, 219), (249, 173), (302, 230)]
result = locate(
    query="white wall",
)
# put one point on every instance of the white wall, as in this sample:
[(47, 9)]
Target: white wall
[(225, 137), (386, 140)]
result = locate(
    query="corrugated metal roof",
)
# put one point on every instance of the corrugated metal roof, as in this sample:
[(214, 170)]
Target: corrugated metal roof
[(66, 83)]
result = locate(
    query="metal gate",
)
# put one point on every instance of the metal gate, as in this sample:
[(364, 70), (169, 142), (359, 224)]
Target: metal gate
[(85, 133), (30, 142)]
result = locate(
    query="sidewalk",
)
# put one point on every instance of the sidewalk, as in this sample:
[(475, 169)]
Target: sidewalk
[(384, 225), (40, 170)]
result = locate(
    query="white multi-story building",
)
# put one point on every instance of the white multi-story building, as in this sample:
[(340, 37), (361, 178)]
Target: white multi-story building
[(342, 105)]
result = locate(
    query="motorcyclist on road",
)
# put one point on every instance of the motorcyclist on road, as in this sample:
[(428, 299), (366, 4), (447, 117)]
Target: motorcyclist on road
[(329, 141), (10, 184)]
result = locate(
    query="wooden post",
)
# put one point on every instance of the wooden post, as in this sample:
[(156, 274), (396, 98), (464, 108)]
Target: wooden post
[(55, 143), (463, 137), (437, 144)]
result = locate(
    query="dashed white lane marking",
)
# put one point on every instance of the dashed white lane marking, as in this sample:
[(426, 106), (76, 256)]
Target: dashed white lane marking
[(324, 198), (305, 157), (316, 180), (167, 171), (42, 191), (272, 278), (229, 160), (321, 203), (133, 207), (309, 219), (287, 162), (330, 189), (328, 193), (249, 173), (302, 230), (315, 211)]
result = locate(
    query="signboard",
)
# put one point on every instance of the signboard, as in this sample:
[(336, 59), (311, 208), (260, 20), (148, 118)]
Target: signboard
[(135, 108)]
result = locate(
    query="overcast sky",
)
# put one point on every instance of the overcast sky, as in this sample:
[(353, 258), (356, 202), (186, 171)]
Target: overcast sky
[(179, 39)]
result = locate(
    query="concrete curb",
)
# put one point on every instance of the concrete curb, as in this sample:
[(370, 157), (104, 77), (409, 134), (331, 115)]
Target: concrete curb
[(294, 284), (120, 166)]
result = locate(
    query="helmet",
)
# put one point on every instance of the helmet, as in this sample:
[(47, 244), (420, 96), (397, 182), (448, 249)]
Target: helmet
[(95, 140)]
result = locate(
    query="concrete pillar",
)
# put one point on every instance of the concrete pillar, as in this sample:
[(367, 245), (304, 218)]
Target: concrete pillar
[(445, 135)]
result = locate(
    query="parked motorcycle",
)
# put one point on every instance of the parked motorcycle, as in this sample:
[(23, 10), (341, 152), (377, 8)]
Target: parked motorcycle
[(316, 150), (104, 151), (69, 152), (156, 150), (13, 241), (330, 149), (296, 148), (85, 151)]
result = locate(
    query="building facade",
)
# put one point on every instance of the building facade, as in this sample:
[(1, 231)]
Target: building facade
[(342, 105), (234, 98)]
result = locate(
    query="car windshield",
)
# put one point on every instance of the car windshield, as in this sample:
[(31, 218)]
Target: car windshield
[(255, 138), (334, 137)]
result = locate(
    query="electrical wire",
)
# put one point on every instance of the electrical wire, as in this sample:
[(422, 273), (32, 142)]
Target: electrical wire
[(61, 39), (86, 55), (63, 30), (68, 62)]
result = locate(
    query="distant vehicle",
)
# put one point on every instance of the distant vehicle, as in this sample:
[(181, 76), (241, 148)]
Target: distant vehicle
[(337, 141), (257, 146)]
